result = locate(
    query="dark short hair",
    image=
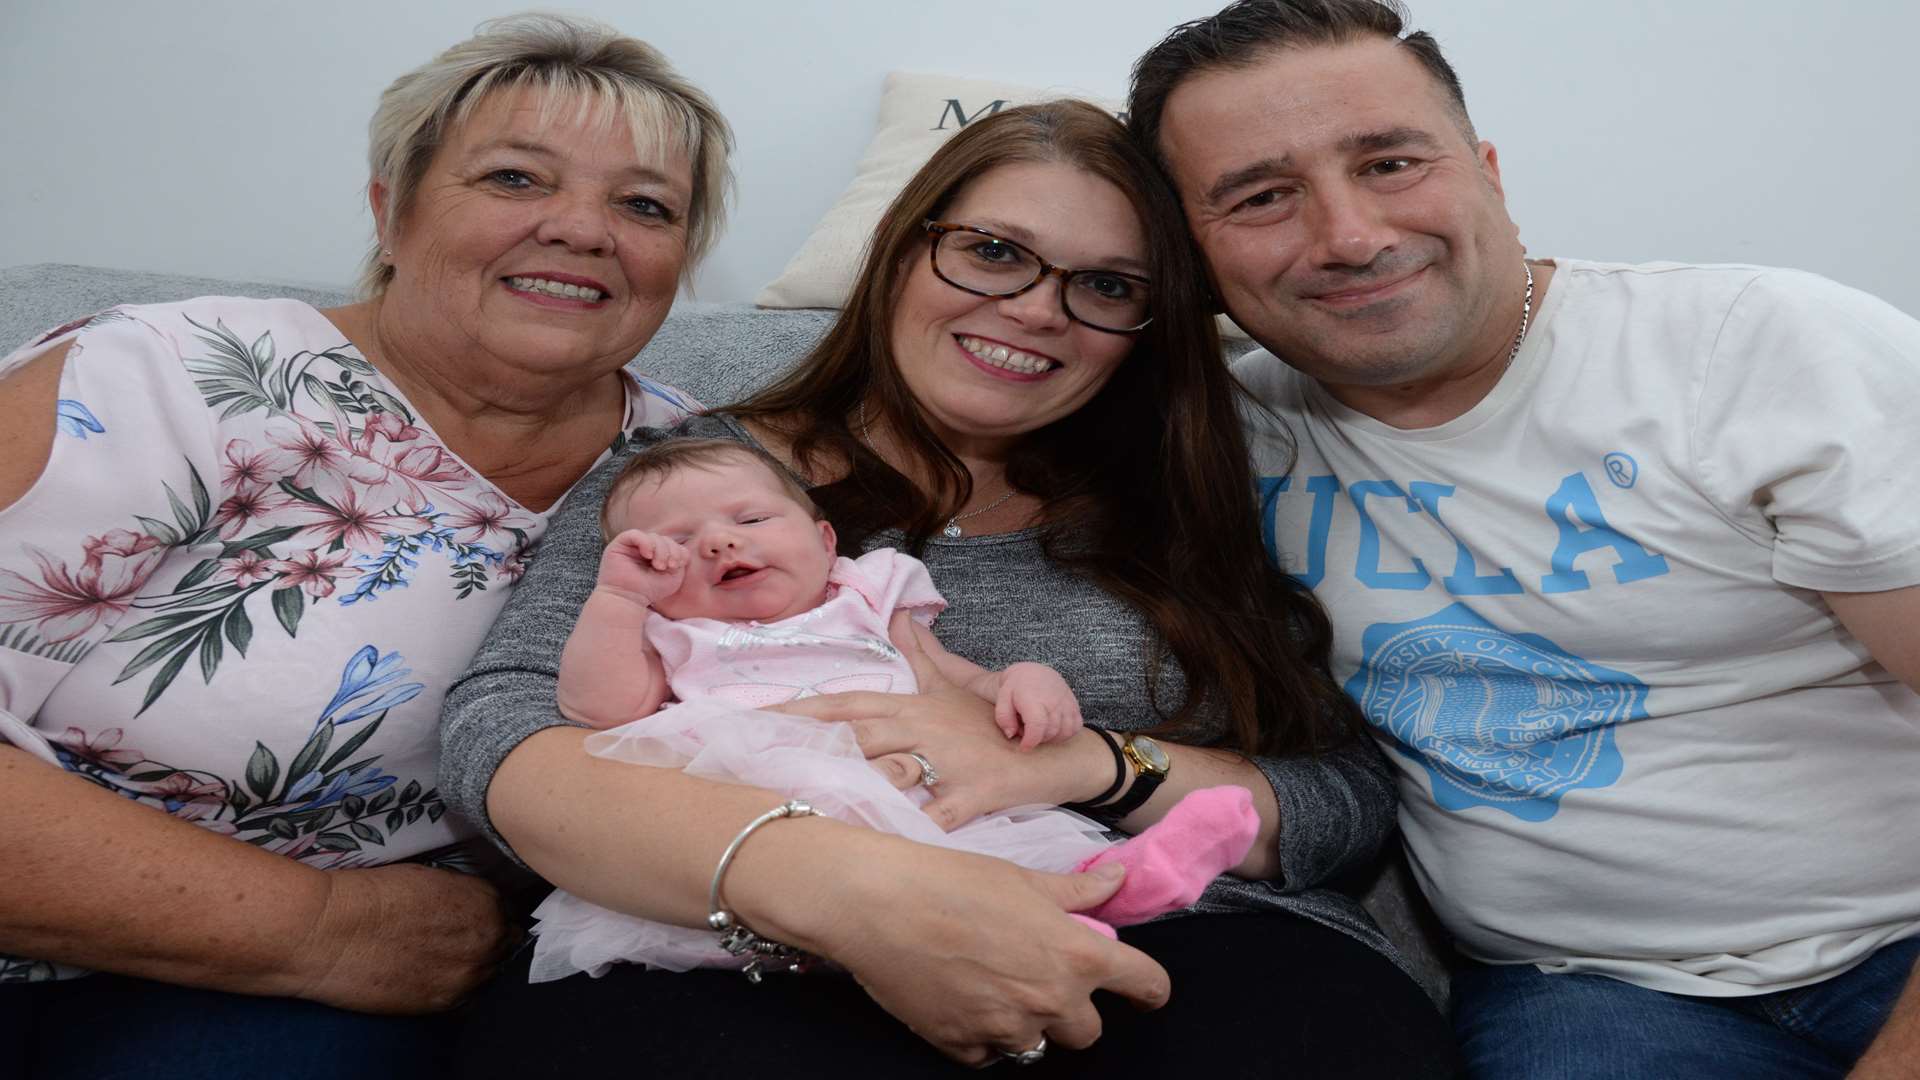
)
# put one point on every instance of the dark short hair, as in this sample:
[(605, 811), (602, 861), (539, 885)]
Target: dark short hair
[(1246, 31), (666, 456)]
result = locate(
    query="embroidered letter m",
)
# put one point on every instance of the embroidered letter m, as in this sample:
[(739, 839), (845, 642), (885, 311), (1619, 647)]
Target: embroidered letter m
[(959, 114)]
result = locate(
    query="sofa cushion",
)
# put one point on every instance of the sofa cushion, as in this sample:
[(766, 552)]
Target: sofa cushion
[(917, 114), (715, 352)]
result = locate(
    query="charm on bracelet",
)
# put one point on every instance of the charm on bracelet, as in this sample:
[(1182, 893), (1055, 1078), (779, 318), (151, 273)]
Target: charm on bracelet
[(736, 938)]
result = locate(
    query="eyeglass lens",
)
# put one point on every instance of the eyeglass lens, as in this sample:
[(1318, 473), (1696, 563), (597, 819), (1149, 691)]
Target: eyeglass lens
[(996, 267)]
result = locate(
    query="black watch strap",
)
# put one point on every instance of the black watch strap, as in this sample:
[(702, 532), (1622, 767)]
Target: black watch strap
[(1144, 785), (1092, 807)]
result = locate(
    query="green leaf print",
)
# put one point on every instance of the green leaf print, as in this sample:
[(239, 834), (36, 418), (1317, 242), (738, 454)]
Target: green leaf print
[(237, 375), (347, 748), (164, 679), (210, 652), (159, 624), (159, 530), (198, 576), (239, 629), (309, 755), (260, 543), (263, 771), (287, 606)]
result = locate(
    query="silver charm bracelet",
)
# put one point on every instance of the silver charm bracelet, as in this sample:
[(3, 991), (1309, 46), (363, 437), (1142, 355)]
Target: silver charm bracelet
[(761, 954)]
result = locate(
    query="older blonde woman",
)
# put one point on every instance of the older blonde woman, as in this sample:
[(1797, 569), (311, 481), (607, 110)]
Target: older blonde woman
[(246, 545)]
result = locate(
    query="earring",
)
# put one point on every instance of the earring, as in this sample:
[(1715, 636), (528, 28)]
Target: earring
[(388, 252)]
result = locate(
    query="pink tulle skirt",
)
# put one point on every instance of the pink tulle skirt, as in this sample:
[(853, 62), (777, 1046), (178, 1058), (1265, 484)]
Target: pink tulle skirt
[(800, 759)]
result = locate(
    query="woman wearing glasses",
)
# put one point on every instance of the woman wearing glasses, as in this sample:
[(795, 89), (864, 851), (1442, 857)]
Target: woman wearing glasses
[(1026, 390)]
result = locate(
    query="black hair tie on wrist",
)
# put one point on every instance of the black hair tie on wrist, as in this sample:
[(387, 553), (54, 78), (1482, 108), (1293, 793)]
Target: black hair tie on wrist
[(1119, 775)]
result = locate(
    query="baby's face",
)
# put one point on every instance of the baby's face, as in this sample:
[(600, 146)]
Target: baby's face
[(754, 553)]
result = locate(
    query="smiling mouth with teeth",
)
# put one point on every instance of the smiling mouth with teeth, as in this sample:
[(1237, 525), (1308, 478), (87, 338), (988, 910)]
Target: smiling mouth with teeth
[(555, 288), (1007, 359)]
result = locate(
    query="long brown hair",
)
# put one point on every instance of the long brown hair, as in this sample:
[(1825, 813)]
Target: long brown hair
[(1146, 490)]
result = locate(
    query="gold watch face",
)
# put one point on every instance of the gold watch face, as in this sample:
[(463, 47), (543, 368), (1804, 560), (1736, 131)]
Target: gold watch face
[(1149, 755)]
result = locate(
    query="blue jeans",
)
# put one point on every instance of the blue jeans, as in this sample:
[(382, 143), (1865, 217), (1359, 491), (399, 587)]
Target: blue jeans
[(109, 1026), (1515, 1022)]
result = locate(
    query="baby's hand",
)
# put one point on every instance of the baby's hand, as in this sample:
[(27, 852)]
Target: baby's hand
[(643, 566), (1036, 704)]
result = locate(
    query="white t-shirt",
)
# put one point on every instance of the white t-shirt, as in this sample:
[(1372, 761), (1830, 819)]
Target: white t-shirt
[(1586, 619)]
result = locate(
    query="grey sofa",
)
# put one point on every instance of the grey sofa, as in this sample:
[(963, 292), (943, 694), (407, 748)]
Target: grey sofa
[(714, 352)]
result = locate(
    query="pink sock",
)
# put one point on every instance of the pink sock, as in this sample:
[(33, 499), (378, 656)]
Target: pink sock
[(1170, 863), (1096, 926)]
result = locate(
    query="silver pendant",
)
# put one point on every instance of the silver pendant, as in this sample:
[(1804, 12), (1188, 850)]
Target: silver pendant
[(952, 531)]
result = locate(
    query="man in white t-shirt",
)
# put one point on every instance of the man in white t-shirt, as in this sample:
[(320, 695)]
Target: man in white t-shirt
[(1623, 563)]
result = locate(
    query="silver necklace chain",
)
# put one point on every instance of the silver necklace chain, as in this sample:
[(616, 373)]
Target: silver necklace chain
[(1526, 317), (952, 529)]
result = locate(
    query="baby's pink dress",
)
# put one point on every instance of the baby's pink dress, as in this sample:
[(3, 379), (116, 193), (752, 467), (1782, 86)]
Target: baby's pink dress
[(722, 676)]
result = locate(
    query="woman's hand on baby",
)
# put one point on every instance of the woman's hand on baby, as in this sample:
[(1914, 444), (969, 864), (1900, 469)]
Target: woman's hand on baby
[(980, 770), (643, 566), (1036, 705)]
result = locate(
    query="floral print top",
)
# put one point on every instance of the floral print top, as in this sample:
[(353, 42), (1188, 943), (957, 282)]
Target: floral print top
[(245, 579)]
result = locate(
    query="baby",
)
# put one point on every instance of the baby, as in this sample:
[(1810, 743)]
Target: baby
[(709, 546), (720, 593)]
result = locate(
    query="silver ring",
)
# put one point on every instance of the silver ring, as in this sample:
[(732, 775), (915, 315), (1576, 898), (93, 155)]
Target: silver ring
[(929, 776), (1027, 1057)]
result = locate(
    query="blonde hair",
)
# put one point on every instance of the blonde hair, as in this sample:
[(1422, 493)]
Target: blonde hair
[(576, 62)]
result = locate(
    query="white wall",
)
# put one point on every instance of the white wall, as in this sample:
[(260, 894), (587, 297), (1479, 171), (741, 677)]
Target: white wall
[(227, 137)]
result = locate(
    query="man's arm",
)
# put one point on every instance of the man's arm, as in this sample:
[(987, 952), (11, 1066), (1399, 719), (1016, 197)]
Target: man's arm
[(1888, 624), (1895, 1055)]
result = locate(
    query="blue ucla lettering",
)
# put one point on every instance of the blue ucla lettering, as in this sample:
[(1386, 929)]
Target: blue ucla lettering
[(1366, 563), (1319, 525), (1574, 509), (1466, 579), (1573, 506)]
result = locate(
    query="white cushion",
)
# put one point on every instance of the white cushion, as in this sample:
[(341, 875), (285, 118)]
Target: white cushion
[(917, 114)]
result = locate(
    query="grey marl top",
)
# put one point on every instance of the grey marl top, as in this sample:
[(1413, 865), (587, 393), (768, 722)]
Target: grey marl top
[(1007, 602)]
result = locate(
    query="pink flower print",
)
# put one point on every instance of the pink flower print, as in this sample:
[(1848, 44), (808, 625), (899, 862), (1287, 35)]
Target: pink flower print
[(249, 567), (350, 522), (314, 572), (395, 471), (101, 749), (117, 543), (477, 519), (68, 605), (388, 426), (516, 563), (66, 328), (247, 506), (247, 466), (314, 451), (188, 797), (511, 570)]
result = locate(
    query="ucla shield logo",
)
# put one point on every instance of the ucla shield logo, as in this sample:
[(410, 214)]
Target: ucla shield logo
[(1511, 721)]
